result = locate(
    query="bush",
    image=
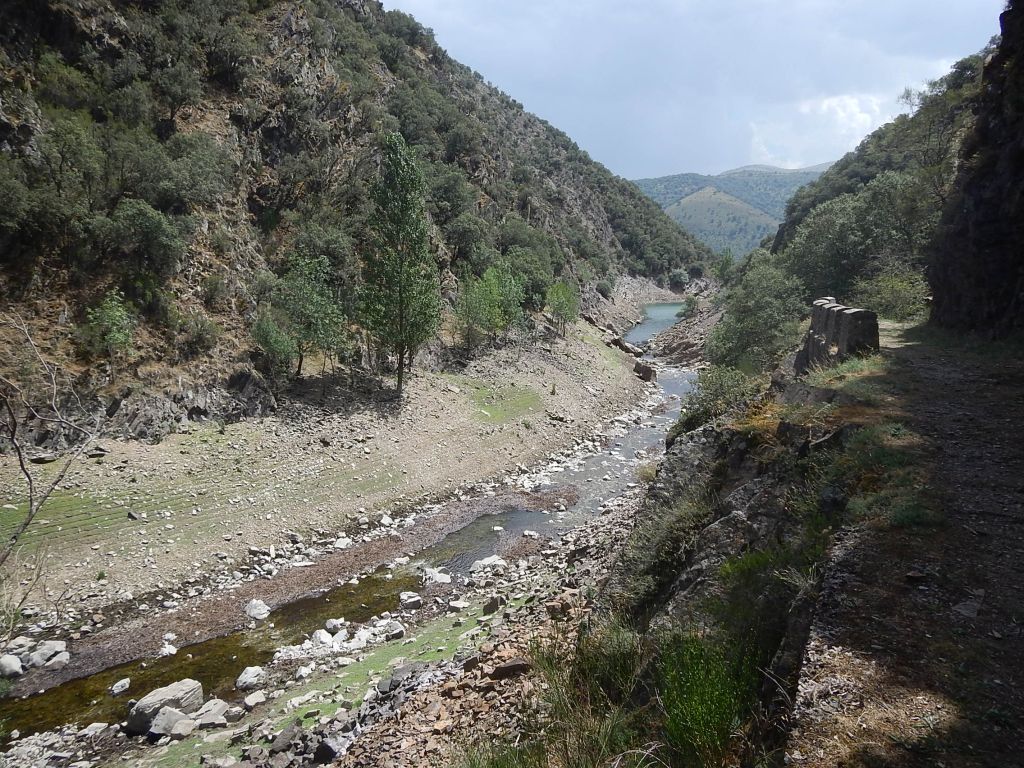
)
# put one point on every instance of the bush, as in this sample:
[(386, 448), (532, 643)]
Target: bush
[(200, 335), (149, 241), (490, 306), (705, 691), (214, 290), (719, 389), (761, 320), (109, 327), (689, 308), (604, 288), (279, 349), (896, 292), (564, 301), (678, 279)]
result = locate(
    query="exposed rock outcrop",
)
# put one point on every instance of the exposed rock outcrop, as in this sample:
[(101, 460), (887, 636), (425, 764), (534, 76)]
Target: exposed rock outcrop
[(977, 268)]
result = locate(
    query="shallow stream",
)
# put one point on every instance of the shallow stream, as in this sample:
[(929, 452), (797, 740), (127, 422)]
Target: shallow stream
[(594, 478)]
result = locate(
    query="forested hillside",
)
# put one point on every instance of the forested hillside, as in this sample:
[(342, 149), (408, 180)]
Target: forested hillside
[(722, 221), (861, 232), (167, 167), (749, 204)]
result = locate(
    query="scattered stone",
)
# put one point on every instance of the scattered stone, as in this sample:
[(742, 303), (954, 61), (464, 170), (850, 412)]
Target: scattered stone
[(253, 700), (257, 609), (10, 666), (45, 651), (513, 668), (185, 695), (410, 601), (251, 677)]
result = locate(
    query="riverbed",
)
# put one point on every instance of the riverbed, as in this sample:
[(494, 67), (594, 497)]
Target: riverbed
[(581, 482)]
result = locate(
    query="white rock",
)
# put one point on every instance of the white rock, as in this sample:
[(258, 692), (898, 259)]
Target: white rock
[(10, 666), (120, 686), (343, 543), (434, 576), (322, 637), (59, 661), (185, 696), (167, 649), (257, 609), (251, 677), (410, 601), (493, 561)]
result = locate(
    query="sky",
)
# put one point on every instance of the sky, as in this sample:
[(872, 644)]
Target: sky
[(655, 87)]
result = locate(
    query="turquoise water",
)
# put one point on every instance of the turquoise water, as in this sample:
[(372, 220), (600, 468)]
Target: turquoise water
[(657, 318)]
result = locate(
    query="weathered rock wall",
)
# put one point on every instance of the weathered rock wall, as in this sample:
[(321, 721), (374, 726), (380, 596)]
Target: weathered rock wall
[(836, 333), (976, 268)]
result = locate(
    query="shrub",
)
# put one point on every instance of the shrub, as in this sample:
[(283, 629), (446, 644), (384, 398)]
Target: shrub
[(490, 306), (896, 292), (564, 301), (719, 389), (215, 290), (109, 327), (604, 288), (146, 239), (279, 349), (200, 335), (761, 320), (705, 691), (678, 279), (689, 308)]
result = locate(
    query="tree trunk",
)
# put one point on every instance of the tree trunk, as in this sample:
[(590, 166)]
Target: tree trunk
[(401, 370), (298, 371)]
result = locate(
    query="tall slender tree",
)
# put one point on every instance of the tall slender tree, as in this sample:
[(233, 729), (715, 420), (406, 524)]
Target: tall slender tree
[(400, 299)]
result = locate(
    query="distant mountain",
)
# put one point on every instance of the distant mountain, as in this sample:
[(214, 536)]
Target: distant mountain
[(751, 203), (722, 221)]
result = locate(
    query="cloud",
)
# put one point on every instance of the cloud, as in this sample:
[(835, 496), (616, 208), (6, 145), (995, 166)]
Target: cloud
[(661, 86)]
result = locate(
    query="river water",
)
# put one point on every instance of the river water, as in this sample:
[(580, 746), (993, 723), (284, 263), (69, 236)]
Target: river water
[(593, 477)]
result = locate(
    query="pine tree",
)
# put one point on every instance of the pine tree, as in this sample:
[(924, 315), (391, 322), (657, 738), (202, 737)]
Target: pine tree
[(400, 298)]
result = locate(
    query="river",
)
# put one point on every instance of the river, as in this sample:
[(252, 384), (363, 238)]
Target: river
[(594, 476)]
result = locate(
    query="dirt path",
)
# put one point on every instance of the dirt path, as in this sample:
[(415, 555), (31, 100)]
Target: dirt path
[(917, 654)]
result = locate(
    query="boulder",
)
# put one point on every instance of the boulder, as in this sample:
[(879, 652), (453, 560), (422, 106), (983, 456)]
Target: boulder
[(254, 699), (59, 661), (45, 651), (510, 669), (164, 720), (212, 714), (410, 601), (645, 371), (492, 562), (257, 609), (251, 677), (10, 666), (186, 696), (120, 686)]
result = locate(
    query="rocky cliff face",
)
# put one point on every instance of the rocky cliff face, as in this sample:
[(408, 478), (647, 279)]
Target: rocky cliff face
[(977, 266)]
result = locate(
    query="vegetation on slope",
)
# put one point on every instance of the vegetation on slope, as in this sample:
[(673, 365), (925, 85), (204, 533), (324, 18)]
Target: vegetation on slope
[(734, 210), (722, 221), (183, 155)]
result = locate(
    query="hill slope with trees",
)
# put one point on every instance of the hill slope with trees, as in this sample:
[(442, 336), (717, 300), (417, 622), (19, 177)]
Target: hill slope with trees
[(750, 203), (171, 172)]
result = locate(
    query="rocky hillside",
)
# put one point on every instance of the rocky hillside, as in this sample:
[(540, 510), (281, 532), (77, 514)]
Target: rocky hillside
[(179, 155), (977, 274), (735, 209)]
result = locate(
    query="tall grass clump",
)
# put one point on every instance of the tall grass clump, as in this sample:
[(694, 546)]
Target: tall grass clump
[(706, 691)]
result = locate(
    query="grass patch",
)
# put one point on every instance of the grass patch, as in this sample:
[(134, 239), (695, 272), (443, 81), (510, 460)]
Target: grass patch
[(706, 691), (650, 558), (857, 377)]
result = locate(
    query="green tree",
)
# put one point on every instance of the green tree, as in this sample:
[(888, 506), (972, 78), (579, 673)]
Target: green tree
[(313, 317), (489, 306), (761, 319), (109, 327), (400, 299), (564, 301)]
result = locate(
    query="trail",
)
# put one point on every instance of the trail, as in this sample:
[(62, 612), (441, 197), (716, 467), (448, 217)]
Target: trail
[(917, 656)]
